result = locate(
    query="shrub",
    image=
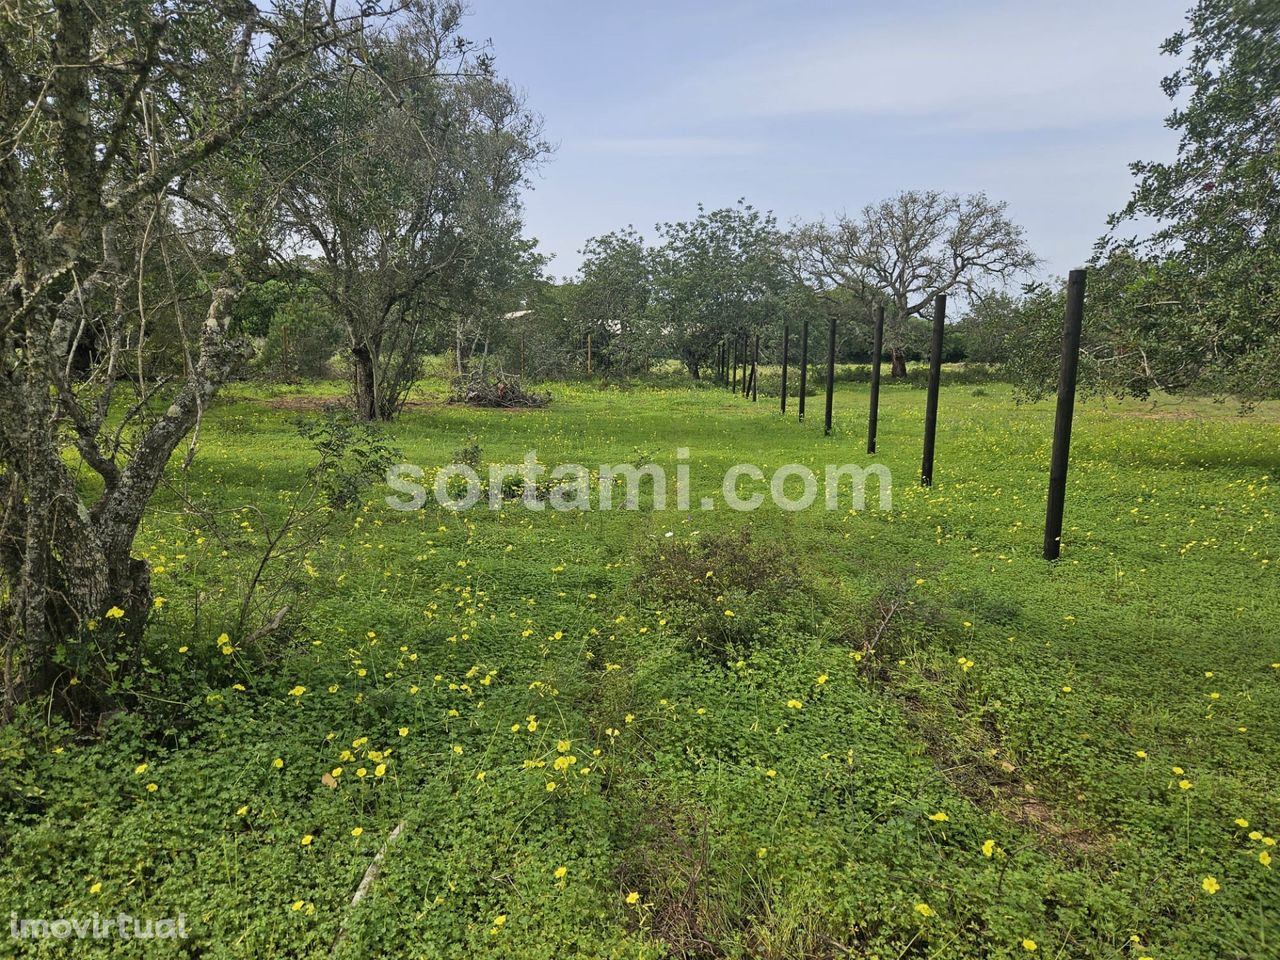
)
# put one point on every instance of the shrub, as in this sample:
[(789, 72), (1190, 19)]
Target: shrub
[(771, 383), (721, 590)]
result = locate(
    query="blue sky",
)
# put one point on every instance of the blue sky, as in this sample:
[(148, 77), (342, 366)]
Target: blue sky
[(814, 108)]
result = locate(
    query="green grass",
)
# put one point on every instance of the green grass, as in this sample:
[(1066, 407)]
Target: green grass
[(787, 801)]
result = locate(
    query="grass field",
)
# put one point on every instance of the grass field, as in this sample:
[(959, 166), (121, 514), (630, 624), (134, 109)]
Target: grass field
[(912, 738)]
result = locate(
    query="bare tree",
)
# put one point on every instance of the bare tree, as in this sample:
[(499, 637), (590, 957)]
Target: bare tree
[(912, 247), (111, 116)]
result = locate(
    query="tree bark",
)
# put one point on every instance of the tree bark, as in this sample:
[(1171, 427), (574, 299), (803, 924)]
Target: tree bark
[(68, 562), (365, 383)]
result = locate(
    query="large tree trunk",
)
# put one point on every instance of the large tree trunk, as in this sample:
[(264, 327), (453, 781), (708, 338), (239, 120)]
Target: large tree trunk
[(693, 363), (365, 383), (73, 598), (78, 599)]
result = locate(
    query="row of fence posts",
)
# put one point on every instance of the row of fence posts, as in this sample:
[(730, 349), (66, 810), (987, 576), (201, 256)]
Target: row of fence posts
[(742, 352)]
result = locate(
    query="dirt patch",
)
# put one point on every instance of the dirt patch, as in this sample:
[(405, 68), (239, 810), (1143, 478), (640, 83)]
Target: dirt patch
[(310, 404), (983, 772), (1267, 411), (670, 863)]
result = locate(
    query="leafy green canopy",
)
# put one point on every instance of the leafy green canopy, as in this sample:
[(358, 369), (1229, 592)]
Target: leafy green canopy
[(1193, 307)]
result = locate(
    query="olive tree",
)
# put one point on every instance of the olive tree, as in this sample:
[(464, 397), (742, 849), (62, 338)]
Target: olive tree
[(413, 157), (1200, 311), (113, 120), (613, 294)]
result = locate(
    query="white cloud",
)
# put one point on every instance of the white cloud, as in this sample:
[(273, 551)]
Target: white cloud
[(1015, 67), (667, 146)]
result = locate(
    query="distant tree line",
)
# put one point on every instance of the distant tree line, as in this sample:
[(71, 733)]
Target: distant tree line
[(1190, 308), (703, 282)]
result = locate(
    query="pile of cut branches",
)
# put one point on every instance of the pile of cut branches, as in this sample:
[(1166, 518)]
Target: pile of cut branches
[(476, 389)]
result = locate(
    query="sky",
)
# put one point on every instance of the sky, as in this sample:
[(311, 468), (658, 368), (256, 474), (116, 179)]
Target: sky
[(812, 109)]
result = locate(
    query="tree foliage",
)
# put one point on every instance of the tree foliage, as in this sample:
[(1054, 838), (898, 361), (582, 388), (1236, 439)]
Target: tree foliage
[(413, 156), (911, 247), (612, 299), (1199, 310), (115, 122), (722, 272), (156, 160)]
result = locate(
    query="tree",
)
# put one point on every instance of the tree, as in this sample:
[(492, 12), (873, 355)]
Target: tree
[(986, 329), (107, 175), (1139, 335), (1203, 313), (910, 248), (718, 274), (499, 280), (421, 151), (294, 331), (614, 290)]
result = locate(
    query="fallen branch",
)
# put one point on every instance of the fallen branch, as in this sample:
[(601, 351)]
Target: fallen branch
[(271, 626), (366, 883), (504, 391)]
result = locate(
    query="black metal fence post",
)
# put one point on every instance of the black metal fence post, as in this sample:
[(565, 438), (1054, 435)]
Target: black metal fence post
[(755, 371), (935, 379), (831, 372), (1066, 407), (877, 347), (804, 366), (786, 344)]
